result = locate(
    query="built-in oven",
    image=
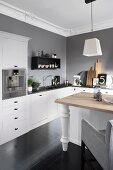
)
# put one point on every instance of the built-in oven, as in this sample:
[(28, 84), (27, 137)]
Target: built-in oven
[(13, 83)]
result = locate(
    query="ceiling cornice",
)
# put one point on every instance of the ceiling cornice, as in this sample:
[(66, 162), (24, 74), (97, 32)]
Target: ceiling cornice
[(96, 27), (27, 17)]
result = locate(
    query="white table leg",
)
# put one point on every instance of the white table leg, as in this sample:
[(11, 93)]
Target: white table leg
[(65, 119)]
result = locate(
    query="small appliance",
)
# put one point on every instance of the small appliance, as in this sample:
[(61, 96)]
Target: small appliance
[(76, 80), (13, 83)]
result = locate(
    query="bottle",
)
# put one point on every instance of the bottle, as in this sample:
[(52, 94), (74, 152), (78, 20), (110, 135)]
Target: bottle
[(99, 95), (66, 82)]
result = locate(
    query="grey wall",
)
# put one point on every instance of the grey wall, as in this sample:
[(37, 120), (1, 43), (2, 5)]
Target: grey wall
[(41, 40), (53, 43), (76, 62)]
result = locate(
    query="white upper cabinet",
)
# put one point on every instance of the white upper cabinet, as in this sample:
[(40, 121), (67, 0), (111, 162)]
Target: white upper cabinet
[(14, 51), (14, 54)]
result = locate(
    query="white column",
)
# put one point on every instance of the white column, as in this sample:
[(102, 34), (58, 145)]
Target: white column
[(65, 119)]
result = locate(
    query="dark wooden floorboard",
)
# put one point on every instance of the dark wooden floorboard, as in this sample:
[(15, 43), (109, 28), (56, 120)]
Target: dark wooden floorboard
[(41, 149)]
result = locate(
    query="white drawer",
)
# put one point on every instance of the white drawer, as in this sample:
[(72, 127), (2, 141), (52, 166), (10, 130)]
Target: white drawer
[(14, 130), (13, 109), (107, 91), (16, 102), (13, 118), (88, 90)]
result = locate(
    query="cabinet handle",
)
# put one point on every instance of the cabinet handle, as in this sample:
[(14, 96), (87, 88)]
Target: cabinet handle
[(40, 95), (16, 118), (15, 101), (16, 128), (16, 109), (15, 66), (84, 90)]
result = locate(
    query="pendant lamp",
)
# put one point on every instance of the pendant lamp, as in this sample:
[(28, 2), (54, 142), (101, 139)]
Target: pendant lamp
[(92, 46)]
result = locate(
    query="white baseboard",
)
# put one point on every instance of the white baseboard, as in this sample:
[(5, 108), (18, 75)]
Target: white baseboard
[(75, 141)]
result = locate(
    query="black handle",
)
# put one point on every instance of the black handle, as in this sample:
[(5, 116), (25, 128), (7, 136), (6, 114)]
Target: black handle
[(16, 118), (84, 90), (15, 101), (40, 95), (15, 66), (16, 128), (16, 109), (106, 92)]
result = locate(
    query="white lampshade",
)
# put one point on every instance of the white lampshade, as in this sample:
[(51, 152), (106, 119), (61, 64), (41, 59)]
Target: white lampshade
[(92, 47)]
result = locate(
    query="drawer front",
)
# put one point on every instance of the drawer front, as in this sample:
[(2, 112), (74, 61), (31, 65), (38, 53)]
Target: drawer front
[(16, 102), (13, 109), (13, 118), (107, 91), (88, 90), (14, 130)]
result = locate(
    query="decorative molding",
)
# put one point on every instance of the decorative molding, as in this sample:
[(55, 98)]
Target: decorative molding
[(30, 18), (98, 26), (27, 17), (75, 141), (14, 36)]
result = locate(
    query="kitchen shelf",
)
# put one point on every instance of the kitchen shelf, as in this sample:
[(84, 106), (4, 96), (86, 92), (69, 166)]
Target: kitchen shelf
[(44, 63)]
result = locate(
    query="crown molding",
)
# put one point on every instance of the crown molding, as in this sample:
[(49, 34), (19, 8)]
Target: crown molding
[(14, 36), (96, 27), (27, 17)]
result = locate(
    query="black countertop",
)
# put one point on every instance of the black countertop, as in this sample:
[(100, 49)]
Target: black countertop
[(48, 88)]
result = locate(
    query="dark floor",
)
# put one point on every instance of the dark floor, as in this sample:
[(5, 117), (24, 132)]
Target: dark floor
[(41, 149), (70, 160)]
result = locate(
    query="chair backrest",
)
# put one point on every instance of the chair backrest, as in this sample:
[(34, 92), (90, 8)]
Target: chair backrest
[(109, 142)]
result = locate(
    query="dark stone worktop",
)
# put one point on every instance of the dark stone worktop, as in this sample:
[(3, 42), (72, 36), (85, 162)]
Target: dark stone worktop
[(48, 88)]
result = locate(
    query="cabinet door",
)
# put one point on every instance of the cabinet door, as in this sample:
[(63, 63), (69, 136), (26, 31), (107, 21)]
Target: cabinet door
[(65, 92), (14, 54), (39, 107), (52, 106), (1, 43)]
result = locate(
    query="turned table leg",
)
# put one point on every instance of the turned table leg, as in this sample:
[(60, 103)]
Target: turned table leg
[(65, 118)]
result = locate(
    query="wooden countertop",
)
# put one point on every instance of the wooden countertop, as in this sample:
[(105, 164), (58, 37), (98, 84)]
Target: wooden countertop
[(86, 100)]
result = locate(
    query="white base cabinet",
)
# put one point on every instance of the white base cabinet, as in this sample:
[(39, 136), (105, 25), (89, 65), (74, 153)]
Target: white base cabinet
[(38, 108), (14, 118), (22, 114)]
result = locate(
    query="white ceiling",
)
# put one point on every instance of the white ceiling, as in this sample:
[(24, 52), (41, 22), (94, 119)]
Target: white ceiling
[(67, 14)]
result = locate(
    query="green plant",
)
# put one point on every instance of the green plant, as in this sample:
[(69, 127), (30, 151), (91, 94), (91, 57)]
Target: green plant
[(35, 84), (30, 82)]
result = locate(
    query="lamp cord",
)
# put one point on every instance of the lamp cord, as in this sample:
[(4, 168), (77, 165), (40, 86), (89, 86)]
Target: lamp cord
[(91, 17)]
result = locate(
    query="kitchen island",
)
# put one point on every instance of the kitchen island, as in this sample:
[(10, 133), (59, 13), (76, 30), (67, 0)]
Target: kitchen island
[(82, 100)]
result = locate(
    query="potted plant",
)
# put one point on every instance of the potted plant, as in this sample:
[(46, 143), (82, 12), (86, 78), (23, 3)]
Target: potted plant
[(30, 82), (35, 85)]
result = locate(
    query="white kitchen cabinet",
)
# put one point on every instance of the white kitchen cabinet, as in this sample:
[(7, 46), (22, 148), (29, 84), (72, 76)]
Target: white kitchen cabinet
[(0, 87), (14, 54), (38, 107), (52, 106), (14, 118), (14, 51)]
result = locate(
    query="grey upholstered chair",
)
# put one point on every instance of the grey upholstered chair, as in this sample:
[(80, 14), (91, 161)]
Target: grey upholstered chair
[(99, 142)]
